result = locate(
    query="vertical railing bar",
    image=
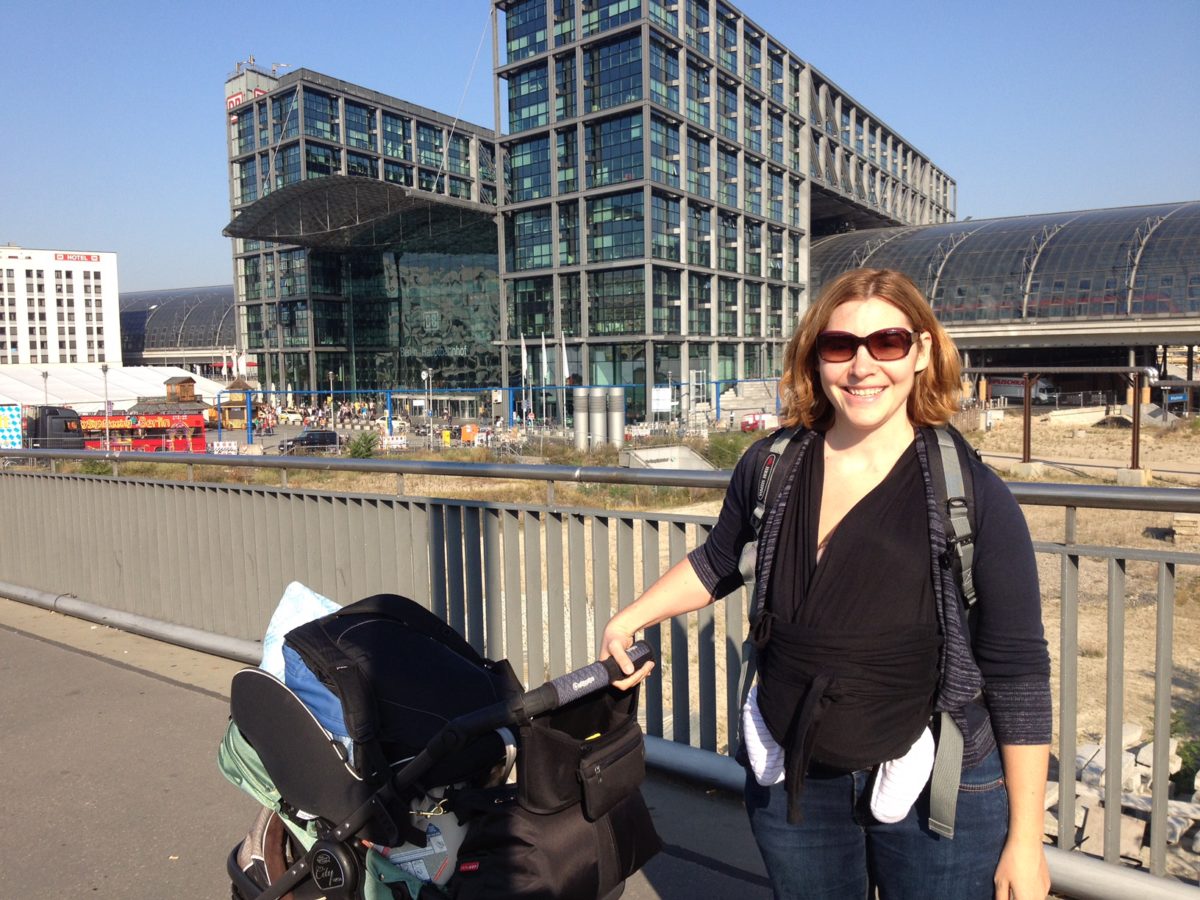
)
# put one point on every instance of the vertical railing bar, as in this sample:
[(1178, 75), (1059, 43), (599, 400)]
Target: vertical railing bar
[(1163, 673), (363, 563), (456, 605), (1115, 710), (601, 581), (493, 591), (535, 633), (556, 617), (405, 547), (577, 581), (510, 529), (1068, 698), (389, 561), (651, 570), (437, 560), (625, 564), (625, 571), (473, 579), (706, 672), (419, 516), (681, 723), (375, 547)]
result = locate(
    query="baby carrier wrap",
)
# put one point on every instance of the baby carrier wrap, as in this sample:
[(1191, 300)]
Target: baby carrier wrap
[(945, 455)]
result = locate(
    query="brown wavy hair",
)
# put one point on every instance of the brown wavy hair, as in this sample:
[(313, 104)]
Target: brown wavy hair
[(935, 394)]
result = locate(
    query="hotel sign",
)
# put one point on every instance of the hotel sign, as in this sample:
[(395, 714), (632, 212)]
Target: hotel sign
[(77, 257)]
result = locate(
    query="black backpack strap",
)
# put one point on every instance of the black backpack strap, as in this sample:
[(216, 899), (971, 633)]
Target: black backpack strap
[(780, 456), (764, 497), (343, 676)]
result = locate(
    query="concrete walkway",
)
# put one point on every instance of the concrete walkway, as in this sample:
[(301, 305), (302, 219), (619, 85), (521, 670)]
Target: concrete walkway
[(111, 788)]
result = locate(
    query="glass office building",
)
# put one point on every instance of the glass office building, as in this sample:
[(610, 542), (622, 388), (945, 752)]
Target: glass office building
[(666, 163), (365, 244)]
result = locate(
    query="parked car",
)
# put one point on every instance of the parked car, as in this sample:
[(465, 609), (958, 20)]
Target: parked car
[(312, 440), (291, 417), (760, 421), (398, 422)]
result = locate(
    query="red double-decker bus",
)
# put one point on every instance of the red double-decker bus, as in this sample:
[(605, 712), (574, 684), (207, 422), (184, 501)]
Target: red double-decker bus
[(145, 432)]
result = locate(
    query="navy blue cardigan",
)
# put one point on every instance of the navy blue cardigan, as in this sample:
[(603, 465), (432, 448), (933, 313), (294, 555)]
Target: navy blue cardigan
[(1006, 657)]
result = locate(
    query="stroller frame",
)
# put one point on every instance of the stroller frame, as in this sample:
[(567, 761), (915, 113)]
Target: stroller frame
[(335, 866)]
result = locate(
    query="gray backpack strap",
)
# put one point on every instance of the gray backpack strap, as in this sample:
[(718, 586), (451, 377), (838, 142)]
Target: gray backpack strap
[(961, 541), (947, 761), (749, 563), (947, 773)]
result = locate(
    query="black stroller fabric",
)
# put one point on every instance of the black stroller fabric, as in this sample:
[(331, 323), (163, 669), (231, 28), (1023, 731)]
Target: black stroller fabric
[(573, 827), (402, 673)]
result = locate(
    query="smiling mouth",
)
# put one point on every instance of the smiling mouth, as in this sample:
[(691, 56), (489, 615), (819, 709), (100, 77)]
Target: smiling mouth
[(864, 392)]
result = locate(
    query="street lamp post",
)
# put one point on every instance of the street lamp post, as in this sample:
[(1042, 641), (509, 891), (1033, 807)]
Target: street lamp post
[(425, 377), (46, 387), (331, 411), (107, 408)]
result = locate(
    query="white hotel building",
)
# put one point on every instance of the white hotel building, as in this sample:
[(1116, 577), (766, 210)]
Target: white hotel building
[(58, 306)]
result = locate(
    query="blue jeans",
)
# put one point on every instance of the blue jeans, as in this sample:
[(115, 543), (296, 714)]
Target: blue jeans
[(839, 850)]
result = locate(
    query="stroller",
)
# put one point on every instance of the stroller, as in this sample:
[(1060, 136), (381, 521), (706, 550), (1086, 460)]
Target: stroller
[(383, 764)]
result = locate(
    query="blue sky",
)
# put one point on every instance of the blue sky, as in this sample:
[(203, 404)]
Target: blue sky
[(114, 111)]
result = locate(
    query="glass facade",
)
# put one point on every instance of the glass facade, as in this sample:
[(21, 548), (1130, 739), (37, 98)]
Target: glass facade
[(612, 73), (615, 227), (613, 149), (1050, 268), (617, 301), (682, 206), (528, 99), (374, 316)]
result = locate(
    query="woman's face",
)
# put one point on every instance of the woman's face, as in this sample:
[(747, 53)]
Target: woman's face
[(868, 394)]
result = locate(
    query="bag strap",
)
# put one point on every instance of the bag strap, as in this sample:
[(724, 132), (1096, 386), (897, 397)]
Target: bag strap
[(956, 505), (947, 773), (780, 455), (957, 511)]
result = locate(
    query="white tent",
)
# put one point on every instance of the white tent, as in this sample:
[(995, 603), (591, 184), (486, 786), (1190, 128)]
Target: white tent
[(82, 387)]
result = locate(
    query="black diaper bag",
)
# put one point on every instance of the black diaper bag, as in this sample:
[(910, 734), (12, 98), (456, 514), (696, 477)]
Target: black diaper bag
[(574, 826)]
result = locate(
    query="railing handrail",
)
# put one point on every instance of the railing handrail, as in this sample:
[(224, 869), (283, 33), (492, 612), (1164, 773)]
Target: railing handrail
[(510, 575), (1092, 496)]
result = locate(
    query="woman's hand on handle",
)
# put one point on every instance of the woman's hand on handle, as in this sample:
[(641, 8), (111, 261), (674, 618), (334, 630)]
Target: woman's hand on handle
[(614, 643)]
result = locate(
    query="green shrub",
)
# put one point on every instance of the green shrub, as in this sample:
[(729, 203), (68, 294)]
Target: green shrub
[(364, 445), (95, 467), (1189, 753), (725, 449)]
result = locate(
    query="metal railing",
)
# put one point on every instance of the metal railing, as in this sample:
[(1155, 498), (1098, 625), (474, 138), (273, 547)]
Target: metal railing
[(531, 581)]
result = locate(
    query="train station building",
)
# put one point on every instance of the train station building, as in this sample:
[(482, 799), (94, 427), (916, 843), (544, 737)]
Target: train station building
[(645, 199), (1102, 287)]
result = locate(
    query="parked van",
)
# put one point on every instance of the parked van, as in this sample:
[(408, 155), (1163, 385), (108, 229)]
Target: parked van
[(1013, 390)]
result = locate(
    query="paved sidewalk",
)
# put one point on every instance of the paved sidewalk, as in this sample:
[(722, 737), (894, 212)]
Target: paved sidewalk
[(112, 791)]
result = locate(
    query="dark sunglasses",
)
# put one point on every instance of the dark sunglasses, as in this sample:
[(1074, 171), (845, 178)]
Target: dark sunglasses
[(886, 345)]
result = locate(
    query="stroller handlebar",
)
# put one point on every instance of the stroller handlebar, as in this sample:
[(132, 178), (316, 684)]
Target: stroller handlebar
[(596, 676), (550, 696)]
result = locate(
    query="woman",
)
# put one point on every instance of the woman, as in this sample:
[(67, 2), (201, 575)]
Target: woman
[(863, 635)]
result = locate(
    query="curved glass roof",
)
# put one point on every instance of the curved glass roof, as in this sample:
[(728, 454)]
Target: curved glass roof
[(1102, 263), (179, 319)]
